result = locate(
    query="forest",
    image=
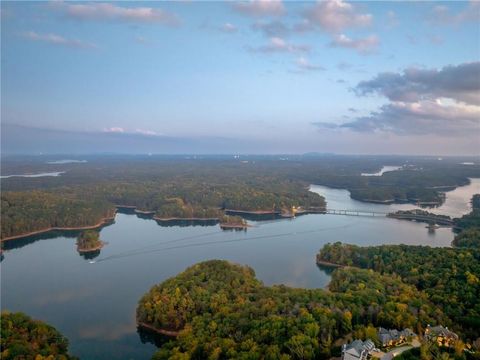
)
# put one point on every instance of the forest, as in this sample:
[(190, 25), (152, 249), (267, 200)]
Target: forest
[(472, 219), (220, 310), (201, 187), (450, 277), (25, 338), (89, 240)]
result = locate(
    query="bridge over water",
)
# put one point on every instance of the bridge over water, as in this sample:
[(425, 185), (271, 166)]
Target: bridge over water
[(355, 212), (402, 216)]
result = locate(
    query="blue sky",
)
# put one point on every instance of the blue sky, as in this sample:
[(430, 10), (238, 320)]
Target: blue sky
[(293, 76)]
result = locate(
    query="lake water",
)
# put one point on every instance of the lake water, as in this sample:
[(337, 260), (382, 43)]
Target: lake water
[(383, 170), (457, 201), (94, 304), (66, 161), (44, 174)]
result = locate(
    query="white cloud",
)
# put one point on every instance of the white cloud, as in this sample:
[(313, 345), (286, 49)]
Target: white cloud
[(336, 15), (361, 45), (278, 45), (260, 7), (114, 130), (58, 40), (112, 12)]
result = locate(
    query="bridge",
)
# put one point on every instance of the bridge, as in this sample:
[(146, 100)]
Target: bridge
[(347, 212), (402, 216)]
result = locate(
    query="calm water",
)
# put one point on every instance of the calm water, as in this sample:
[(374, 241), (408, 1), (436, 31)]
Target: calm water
[(383, 170), (94, 304), (457, 201), (44, 174)]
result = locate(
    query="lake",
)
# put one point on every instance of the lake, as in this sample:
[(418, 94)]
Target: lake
[(44, 174), (93, 304), (383, 170)]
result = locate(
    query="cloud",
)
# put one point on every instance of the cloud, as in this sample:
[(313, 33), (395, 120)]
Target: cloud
[(361, 45), (421, 118), (120, 130), (442, 101), (228, 28), (336, 15), (279, 45), (260, 7), (274, 28), (114, 130), (441, 14), (305, 65), (460, 82), (325, 125), (112, 12), (58, 40)]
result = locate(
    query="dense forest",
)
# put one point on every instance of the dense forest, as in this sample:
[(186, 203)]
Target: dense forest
[(450, 277), (472, 219), (201, 187), (25, 338), (220, 310), (89, 240)]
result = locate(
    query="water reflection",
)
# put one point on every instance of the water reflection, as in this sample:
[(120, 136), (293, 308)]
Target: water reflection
[(89, 255)]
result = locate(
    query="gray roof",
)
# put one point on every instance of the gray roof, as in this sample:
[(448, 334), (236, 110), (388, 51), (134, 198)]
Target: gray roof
[(385, 335), (441, 331), (357, 349)]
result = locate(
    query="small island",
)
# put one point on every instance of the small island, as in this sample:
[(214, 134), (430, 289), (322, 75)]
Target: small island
[(89, 242), (422, 216), (233, 222)]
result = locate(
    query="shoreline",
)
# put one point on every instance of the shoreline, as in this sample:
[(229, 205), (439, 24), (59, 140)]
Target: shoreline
[(171, 333), (87, 250), (234, 226), (184, 219), (104, 221), (329, 264)]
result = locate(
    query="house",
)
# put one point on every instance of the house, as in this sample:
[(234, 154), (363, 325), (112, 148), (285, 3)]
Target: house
[(441, 335), (357, 350), (394, 337)]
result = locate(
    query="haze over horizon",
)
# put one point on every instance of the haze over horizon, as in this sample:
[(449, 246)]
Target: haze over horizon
[(241, 77)]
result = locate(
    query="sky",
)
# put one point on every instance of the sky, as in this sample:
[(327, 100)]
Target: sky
[(249, 77)]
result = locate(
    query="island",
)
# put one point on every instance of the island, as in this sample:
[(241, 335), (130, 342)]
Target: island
[(89, 242), (26, 338), (233, 222), (422, 216)]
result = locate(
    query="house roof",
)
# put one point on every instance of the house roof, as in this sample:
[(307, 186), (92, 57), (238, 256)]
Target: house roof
[(357, 349), (440, 331)]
